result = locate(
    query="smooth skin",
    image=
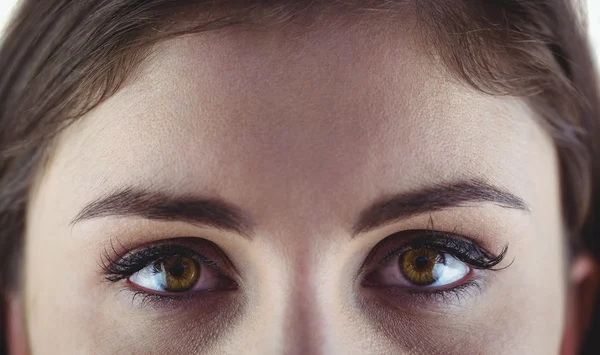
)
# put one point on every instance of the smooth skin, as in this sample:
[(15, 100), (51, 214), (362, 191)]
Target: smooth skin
[(301, 129)]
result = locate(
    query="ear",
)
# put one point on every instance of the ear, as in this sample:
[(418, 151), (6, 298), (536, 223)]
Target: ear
[(583, 281), (15, 326)]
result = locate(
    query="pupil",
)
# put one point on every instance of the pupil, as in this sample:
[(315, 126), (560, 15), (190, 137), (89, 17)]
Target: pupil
[(177, 270), (421, 262)]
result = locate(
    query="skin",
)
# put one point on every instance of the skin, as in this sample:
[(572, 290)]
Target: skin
[(301, 130)]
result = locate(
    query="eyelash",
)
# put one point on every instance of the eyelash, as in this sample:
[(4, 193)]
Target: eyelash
[(119, 267), (442, 242), (463, 250)]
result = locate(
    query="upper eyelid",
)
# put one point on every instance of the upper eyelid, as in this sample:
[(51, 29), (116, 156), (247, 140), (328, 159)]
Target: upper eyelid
[(112, 274), (117, 258), (188, 254), (188, 246), (441, 247), (412, 245), (426, 235), (490, 259)]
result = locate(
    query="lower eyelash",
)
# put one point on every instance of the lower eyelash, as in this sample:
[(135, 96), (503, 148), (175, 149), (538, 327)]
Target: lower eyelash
[(148, 299), (142, 299), (469, 289)]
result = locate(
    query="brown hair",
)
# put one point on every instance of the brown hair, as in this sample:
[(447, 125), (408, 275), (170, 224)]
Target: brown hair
[(60, 58)]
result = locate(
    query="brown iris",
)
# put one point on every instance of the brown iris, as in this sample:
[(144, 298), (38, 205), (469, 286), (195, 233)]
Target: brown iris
[(417, 265), (179, 273)]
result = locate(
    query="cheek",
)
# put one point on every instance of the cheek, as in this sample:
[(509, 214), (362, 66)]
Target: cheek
[(56, 297), (538, 287), (519, 310), (71, 310), (537, 292), (65, 302)]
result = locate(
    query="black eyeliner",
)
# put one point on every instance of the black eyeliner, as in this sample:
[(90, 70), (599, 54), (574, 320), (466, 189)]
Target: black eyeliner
[(120, 267), (464, 250)]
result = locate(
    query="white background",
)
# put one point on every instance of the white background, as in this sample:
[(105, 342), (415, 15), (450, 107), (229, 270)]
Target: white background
[(592, 5)]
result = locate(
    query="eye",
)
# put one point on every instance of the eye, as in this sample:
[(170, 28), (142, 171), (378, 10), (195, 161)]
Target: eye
[(422, 267), (428, 260), (171, 274), (172, 269)]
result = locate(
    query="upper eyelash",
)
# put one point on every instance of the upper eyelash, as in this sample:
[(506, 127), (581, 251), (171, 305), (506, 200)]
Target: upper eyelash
[(463, 250), (119, 267)]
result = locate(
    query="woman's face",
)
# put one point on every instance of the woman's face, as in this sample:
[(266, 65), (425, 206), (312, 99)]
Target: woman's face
[(327, 190)]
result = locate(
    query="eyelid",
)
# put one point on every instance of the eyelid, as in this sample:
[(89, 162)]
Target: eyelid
[(457, 245), (391, 274), (201, 249)]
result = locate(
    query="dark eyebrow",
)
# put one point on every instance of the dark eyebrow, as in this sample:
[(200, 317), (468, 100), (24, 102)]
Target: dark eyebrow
[(434, 198), (132, 202)]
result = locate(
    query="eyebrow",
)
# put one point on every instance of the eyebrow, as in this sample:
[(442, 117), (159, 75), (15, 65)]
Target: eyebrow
[(131, 202), (213, 212), (434, 198)]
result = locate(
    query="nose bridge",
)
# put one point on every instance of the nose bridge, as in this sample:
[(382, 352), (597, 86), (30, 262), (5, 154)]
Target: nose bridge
[(303, 319)]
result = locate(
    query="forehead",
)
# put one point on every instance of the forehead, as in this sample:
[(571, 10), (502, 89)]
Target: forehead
[(302, 120)]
